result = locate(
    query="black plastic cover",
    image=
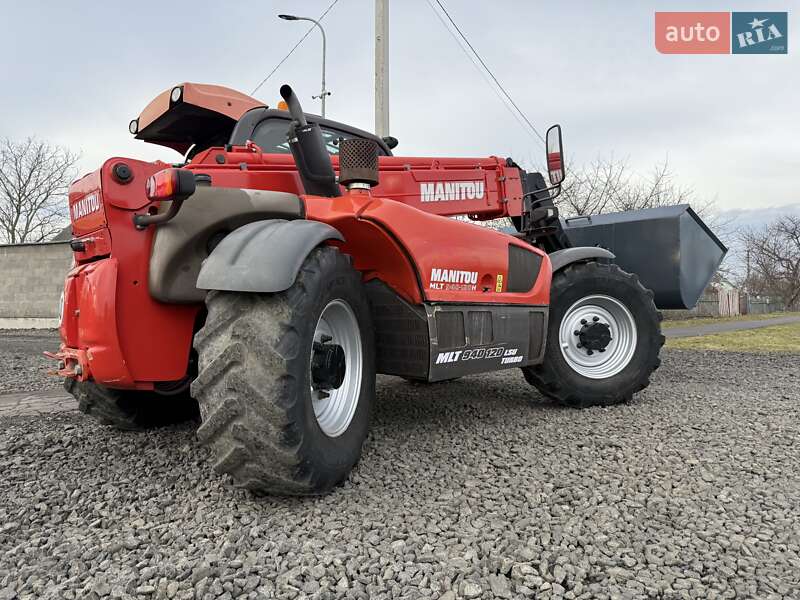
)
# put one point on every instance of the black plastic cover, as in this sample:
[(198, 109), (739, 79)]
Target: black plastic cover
[(313, 161)]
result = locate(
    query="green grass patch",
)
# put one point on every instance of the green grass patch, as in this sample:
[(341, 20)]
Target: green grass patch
[(668, 324), (777, 338)]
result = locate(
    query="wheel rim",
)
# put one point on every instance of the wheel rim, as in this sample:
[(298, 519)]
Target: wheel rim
[(617, 354), (334, 408)]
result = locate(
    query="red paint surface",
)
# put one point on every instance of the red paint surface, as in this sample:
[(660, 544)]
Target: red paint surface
[(122, 337)]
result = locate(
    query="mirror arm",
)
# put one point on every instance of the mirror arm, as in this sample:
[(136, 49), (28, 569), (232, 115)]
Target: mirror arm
[(547, 189)]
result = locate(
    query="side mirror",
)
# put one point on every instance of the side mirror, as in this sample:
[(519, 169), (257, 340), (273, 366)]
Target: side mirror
[(390, 141), (555, 155)]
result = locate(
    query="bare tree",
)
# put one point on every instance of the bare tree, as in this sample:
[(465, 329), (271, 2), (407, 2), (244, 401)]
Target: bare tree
[(34, 177), (659, 189), (773, 257), (594, 188), (610, 185)]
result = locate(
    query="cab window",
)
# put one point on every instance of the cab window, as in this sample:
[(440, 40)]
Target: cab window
[(270, 135)]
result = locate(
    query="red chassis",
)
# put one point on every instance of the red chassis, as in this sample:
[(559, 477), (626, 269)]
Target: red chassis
[(116, 334)]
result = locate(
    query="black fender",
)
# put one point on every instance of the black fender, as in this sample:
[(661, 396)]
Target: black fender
[(263, 256), (561, 258)]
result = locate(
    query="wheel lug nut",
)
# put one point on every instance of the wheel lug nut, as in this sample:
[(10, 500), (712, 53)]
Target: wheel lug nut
[(583, 321), (580, 345), (589, 352), (576, 332), (595, 319), (602, 350)]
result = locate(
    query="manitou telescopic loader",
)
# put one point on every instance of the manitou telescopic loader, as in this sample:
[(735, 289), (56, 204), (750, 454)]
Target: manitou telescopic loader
[(290, 258)]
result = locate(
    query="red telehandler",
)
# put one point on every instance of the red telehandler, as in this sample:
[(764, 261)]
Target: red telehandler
[(290, 258)]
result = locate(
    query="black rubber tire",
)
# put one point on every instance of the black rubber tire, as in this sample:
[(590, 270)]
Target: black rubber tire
[(556, 379), (130, 410), (254, 387)]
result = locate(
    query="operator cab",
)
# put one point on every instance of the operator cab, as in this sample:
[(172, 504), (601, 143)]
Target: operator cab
[(192, 117), (267, 128)]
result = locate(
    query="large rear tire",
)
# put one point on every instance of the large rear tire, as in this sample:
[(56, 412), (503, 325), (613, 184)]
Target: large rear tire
[(272, 413), (130, 410), (603, 338)]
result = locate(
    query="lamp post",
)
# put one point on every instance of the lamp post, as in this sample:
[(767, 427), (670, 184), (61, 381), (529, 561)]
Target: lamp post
[(323, 92)]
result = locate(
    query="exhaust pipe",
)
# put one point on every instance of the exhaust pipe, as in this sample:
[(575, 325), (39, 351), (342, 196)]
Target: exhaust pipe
[(293, 104), (309, 151)]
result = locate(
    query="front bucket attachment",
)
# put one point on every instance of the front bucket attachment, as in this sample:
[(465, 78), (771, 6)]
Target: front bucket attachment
[(672, 251)]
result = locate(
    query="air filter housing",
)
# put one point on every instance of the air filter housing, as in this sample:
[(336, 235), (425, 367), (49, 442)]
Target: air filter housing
[(358, 162)]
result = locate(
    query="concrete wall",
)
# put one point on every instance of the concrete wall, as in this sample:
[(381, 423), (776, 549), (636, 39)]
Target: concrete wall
[(31, 280)]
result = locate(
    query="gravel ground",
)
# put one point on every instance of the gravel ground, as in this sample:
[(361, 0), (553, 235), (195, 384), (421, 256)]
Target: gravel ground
[(22, 366), (466, 490)]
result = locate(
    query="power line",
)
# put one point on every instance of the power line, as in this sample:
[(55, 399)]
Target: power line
[(300, 41), (489, 71), (478, 68)]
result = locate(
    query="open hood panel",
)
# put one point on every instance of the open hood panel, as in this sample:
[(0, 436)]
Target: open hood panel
[(192, 113)]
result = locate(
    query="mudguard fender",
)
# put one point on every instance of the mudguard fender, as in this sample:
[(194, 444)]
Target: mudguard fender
[(561, 258), (263, 256)]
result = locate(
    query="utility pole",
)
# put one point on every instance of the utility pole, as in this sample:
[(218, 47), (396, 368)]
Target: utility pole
[(382, 67)]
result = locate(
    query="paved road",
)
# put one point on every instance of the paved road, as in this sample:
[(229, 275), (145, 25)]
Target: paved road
[(696, 330), (36, 403)]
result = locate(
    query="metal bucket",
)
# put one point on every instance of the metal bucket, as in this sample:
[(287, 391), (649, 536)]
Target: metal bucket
[(672, 251)]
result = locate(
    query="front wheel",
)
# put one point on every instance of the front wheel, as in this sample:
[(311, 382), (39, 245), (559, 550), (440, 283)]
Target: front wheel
[(603, 337), (286, 380)]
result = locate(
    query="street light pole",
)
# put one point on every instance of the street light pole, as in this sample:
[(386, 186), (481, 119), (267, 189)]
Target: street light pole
[(323, 92)]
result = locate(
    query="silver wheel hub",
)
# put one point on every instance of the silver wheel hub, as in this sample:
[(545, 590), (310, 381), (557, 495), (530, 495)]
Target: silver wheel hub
[(335, 368), (597, 336)]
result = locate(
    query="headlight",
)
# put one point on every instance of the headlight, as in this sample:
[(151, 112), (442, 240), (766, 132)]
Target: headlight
[(176, 94)]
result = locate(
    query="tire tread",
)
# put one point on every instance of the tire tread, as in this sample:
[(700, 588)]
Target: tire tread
[(246, 391), (546, 379)]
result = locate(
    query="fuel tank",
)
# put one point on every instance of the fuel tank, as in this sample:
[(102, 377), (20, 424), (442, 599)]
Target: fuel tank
[(672, 251)]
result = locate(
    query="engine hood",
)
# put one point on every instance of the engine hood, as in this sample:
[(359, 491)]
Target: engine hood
[(192, 113)]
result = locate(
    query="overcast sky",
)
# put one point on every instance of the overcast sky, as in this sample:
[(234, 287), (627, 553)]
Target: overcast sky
[(75, 73)]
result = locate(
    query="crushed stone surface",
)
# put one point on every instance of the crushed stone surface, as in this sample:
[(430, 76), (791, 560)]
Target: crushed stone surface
[(477, 488), (23, 367)]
